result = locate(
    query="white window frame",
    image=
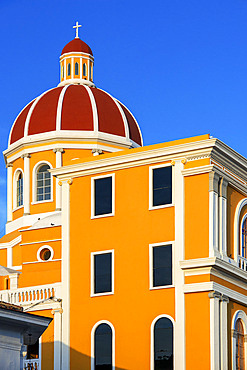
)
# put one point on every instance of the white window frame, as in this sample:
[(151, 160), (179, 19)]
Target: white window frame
[(151, 168), (112, 273), (92, 342), (93, 196), (34, 183), (152, 338), (15, 178), (238, 315), (45, 247), (151, 247)]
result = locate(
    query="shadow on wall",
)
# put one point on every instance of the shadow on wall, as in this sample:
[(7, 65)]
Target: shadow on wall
[(78, 360)]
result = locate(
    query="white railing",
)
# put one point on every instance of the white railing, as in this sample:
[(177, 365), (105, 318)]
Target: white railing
[(33, 364), (242, 263), (29, 295)]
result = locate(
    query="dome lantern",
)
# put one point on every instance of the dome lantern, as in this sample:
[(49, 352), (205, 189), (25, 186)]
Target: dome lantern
[(76, 62)]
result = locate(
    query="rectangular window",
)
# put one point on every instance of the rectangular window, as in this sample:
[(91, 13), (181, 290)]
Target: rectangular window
[(102, 196), (161, 186), (102, 272), (161, 265)]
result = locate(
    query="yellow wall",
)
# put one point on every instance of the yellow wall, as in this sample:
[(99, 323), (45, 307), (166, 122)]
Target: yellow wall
[(196, 216)]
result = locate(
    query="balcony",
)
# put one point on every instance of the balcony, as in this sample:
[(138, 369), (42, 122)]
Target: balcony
[(33, 364), (31, 295), (242, 263)]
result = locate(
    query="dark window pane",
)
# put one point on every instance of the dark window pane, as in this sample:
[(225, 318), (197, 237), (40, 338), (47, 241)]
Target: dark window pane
[(163, 345), (103, 347), (103, 196), (162, 265), (162, 186), (103, 273)]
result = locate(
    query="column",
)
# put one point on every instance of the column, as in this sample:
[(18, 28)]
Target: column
[(57, 337), (66, 273), (215, 330), (9, 192), (13, 279), (213, 214), (223, 216), (178, 200), (59, 162), (223, 332), (26, 184)]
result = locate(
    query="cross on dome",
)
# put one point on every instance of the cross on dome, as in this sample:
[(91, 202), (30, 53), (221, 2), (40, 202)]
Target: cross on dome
[(77, 26)]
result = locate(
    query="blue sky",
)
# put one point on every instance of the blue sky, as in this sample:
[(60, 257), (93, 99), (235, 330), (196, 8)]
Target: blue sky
[(179, 66)]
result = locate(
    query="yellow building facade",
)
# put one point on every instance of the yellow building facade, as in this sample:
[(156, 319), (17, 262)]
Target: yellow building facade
[(138, 253)]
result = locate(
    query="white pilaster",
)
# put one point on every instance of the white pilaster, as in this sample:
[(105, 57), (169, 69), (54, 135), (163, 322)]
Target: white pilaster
[(66, 274), (9, 192), (26, 184), (13, 278), (80, 68), (179, 335), (213, 215), (57, 337), (9, 257), (223, 332), (72, 67), (215, 331), (59, 162)]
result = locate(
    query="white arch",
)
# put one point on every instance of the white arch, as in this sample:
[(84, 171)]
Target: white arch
[(238, 315), (239, 208), (163, 316), (15, 179), (92, 342), (35, 169)]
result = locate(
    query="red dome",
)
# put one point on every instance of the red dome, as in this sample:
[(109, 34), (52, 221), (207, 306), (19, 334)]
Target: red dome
[(86, 112), (77, 45)]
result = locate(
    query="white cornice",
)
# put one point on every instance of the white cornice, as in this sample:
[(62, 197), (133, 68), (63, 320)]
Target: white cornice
[(135, 158)]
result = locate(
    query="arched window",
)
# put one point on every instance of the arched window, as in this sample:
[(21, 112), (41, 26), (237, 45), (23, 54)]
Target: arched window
[(244, 238), (103, 347), (240, 355), (69, 69), (19, 190), (90, 70), (63, 71), (76, 68), (43, 188), (163, 344), (84, 69)]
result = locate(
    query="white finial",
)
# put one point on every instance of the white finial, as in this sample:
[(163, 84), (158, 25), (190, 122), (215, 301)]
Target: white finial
[(76, 31)]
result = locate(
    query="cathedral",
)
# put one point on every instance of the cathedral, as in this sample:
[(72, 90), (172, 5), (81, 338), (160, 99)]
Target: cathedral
[(137, 253)]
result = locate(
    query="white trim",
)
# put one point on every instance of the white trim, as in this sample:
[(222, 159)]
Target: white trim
[(76, 53), (35, 170), (238, 315), (42, 241), (151, 247), (45, 247), (213, 224), (125, 122), (12, 127), (35, 101), (65, 275), (27, 220), (223, 225), (11, 243), (179, 247), (151, 168), (215, 332), (138, 127), (59, 108), (15, 179), (92, 294), (92, 342), (93, 216), (94, 109), (237, 231), (33, 262), (9, 192), (152, 338)]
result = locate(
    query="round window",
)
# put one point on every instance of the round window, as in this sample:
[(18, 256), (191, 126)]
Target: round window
[(45, 254)]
